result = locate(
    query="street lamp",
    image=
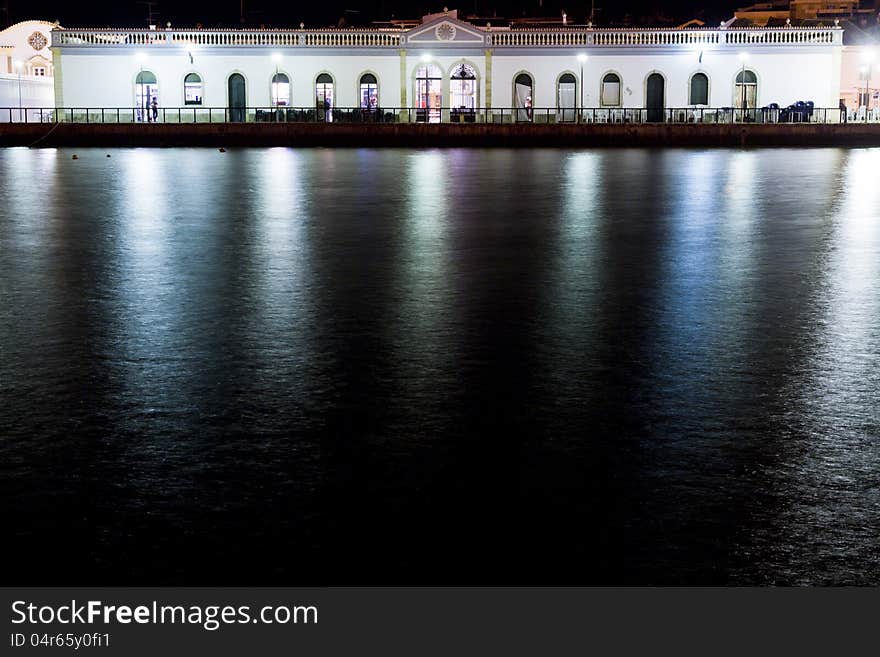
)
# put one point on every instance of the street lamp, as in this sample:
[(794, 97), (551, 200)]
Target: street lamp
[(868, 57), (582, 57), (141, 100), (743, 57), (425, 59), (18, 66)]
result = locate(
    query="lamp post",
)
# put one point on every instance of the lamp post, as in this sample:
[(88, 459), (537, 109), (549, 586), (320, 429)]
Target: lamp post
[(868, 57), (142, 102), (18, 66), (743, 57), (582, 57), (426, 58)]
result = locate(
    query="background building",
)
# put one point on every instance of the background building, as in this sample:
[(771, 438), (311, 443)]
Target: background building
[(26, 70)]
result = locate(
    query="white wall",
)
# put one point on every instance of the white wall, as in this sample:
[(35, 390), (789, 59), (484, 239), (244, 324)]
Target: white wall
[(784, 77), (105, 78), (36, 92), (114, 86), (852, 83)]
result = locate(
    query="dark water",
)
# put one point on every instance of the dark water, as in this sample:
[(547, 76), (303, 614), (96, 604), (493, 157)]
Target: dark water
[(440, 367)]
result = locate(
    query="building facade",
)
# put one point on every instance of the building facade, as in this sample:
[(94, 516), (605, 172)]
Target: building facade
[(26, 69), (445, 68)]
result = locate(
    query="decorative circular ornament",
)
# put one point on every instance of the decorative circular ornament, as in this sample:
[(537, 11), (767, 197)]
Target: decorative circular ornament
[(445, 32), (37, 41)]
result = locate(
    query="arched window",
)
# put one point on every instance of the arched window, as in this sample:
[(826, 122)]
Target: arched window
[(566, 92), (611, 90), (463, 88), (280, 90), (146, 91), (699, 92), (369, 91), (324, 96), (523, 96), (746, 90), (192, 89), (428, 93)]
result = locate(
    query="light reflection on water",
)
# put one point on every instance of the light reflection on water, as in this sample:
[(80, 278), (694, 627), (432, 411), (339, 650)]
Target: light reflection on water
[(633, 366)]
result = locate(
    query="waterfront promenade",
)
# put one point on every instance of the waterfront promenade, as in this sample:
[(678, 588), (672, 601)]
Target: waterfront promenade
[(420, 134)]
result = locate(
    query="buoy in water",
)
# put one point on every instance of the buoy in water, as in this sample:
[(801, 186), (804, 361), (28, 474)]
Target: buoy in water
[(75, 157), (222, 150), (108, 154)]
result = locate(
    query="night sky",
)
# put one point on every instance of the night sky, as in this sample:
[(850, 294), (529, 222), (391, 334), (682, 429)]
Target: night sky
[(272, 13)]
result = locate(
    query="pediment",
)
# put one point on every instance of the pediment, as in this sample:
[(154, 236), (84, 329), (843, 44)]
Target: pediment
[(445, 30)]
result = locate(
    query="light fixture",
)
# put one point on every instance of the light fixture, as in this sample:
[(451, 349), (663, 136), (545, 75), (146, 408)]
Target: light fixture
[(19, 65), (744, 57), (276, 57), (140, 57), (869, 56), (426, 57), (582, 57)]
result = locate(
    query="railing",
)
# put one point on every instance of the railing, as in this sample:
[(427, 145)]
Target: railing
[(797, 114), (246, 38), (657, 38), (392, 38)]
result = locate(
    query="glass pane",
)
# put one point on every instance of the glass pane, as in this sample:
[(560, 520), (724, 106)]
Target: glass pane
[(369, 96)]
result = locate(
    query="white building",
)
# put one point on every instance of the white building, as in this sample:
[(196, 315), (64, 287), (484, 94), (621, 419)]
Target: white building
[(26, 70), (444, 69)]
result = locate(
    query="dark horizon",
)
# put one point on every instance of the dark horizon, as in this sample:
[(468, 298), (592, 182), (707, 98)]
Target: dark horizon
[(228, 13)]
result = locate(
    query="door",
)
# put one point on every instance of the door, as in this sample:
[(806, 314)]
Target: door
[(656, 98), (565, 98), (237, 98), (522, 97)]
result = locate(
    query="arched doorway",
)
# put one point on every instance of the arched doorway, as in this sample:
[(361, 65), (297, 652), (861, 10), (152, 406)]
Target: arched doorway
[(324, 97), (429, 94), (237, 98), (463, 93), (566, 92), (146, 89), (280, 90), (523, 95), (745, 97), (655, 98)]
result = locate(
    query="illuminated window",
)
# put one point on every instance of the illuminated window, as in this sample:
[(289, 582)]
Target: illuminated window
[(611, 90), (324, 97), (522, 96), (146, 93), (463, 87), (566, 91), (428, 93), (280, 90), (746, 90), (369, 91), (192, 89)]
